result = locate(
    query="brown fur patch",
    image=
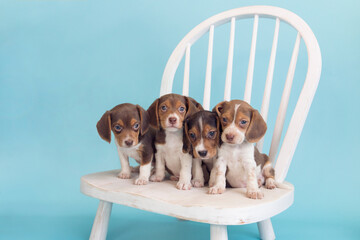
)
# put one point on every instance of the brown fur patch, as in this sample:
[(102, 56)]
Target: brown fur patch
[(209, 123), (254, 129), (126, 116)]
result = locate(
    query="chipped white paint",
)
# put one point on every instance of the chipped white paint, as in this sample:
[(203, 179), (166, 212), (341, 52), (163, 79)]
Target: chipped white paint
[(229, 208)]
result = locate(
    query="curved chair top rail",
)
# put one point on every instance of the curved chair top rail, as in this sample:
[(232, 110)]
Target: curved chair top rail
[(307, 93)]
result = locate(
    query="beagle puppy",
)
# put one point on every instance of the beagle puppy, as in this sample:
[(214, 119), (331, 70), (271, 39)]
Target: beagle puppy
[(202, 137), (133, 138), (167, 115), (239, 163)]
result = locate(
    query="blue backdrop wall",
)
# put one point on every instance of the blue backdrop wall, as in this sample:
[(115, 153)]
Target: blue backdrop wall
[(64, 63)]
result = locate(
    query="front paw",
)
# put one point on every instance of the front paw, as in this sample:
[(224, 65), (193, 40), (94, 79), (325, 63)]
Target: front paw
[(141, 181), (216, 190), (254, 194), (270, 183), (182, 185), (197, 183), (156, 178), (124, 175)]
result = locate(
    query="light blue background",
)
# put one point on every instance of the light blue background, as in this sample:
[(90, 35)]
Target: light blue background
[(63, 63)]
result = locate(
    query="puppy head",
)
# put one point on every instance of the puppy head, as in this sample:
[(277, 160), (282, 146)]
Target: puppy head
[(240, 122), (169, 111), (202, 133), (128, 123)]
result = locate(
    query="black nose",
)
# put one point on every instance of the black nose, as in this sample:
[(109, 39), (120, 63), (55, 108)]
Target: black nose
[(172, 120), (129, 142), (229, 137), (202, 153)]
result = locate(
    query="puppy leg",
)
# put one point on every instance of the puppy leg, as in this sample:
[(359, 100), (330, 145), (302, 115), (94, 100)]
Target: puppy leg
[(159, 168), (269, 175), (217, 180), (184, 182), (145, 170), (198, 175), (253, 190), (125, 172)]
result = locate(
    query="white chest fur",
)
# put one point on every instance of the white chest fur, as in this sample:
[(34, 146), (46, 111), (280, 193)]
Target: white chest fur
[(132, 152), (238, 159), (171, 151)]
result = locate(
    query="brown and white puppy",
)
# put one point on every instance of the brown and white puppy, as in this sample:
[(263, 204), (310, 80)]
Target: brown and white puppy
[(202, 137), (239, 162), (133, 138), (167, 115)]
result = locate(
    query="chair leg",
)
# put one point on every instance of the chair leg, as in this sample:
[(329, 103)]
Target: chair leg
[(218, 232), (266, 230), (100, 226)]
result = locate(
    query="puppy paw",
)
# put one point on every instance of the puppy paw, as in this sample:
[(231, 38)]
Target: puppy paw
[(216, 190), (124, 175), (254, 194), (181, 185), (197, 183), (174, 178), (270, 183), (156, 178), (141, 181)]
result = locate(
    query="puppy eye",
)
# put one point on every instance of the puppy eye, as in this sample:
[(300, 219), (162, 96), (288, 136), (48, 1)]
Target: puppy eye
[(164, 108), (136, 126), (224, 119), (181, 109), (192, 136), (211, 134), (243, 122), (118, 128)]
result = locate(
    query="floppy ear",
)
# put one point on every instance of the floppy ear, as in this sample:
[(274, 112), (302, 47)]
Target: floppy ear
[(257, 127), (103, 126), (219, 108), (192, 106), (196, 104), (218, 127), (186, 141), (153, 112), (144, 120)]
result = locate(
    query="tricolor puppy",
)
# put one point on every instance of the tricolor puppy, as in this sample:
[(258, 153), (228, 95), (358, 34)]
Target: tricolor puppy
[(167, 115), (133, 138), (202, 137), (239, 162)]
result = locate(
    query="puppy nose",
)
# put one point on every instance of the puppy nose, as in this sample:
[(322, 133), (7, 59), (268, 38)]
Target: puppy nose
[(202, 153), (129, 142), (229, 137), (172, 120)]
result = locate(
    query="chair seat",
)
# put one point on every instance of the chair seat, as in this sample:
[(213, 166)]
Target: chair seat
[(229, 208)]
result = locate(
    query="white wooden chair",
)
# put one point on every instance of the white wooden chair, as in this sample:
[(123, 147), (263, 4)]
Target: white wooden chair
[(232, 207)]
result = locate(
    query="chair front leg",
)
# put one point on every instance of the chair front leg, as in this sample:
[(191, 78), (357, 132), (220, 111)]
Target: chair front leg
[(101, 222), (218, 232), (266, 230)]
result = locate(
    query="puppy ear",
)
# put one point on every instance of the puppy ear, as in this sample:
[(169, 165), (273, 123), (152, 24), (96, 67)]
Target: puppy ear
[(257, 127), (144, 120), (219, 128), (192, 106), (153, 112), (186, 140), (219, 108), (103, 126)]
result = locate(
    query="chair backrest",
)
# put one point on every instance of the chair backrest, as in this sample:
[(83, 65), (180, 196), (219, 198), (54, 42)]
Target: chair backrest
[(307, 93)]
